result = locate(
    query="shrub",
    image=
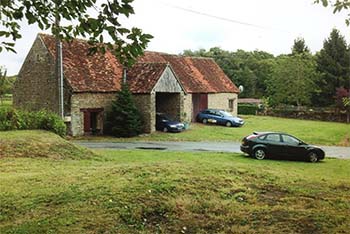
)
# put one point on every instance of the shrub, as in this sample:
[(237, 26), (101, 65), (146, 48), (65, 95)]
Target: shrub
[(247, 109), (11, 119)]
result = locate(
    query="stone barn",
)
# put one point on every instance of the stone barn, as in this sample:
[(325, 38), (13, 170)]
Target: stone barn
[(176, 85)]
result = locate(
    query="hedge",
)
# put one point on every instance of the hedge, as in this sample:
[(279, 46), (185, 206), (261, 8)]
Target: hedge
[(247, 109), (12, 119)]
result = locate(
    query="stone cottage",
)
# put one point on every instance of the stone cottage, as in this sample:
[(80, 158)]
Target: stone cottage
[(177, 85)]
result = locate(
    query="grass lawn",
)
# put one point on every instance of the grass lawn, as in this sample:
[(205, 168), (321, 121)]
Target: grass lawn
[(314, 132), (168, 192)]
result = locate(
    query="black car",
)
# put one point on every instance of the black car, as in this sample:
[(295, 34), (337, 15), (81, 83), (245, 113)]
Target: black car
[(165, 124), (261, 145)]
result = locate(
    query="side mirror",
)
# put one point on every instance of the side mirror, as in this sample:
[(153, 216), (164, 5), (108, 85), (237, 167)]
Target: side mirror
[(301, 143)]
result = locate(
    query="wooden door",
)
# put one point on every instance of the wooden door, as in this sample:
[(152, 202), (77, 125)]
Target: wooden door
[(199, 103)]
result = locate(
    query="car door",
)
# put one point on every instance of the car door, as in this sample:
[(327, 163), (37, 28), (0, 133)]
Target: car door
[(293, 148), (212, 117), (274, 144)]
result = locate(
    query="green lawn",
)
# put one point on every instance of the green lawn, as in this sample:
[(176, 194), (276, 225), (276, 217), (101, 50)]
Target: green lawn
[(168, 192), (314, 132)]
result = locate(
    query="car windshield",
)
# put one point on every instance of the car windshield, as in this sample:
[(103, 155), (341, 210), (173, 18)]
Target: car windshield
[(226, 114), (164, 118)]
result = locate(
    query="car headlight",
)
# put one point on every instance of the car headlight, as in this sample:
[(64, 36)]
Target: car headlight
[(172, 125)]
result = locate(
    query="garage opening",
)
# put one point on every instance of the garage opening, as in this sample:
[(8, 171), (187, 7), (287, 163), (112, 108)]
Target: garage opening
[(169, 104)]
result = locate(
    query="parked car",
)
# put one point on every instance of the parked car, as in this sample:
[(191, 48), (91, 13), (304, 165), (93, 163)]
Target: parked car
[(219, 117), (261, 145), (165, 124)]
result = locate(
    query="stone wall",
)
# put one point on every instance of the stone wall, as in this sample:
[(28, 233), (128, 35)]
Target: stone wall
[(88, 101), (146, 104), (36, 86), (221, 101), (187, 108)]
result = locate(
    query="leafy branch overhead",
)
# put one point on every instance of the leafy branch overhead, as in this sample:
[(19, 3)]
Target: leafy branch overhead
[(338, 5), (126, 43)]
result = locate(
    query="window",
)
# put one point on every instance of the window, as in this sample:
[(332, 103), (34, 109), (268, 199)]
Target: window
[(231, 103), (290, 140), (273, 137)]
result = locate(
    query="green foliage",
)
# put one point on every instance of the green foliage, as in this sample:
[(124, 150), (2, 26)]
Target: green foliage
[(339, 5), (247, 109), (293, 80), (123, 119), (11, 119), (334, 64), (300, 47), (127, 43)]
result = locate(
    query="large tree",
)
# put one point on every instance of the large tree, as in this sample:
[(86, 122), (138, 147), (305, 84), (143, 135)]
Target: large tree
[(293, 80), (78, 21), (299, 46), (333, 62)]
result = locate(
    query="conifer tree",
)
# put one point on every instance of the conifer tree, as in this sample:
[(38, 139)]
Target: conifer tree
[(123, 119)]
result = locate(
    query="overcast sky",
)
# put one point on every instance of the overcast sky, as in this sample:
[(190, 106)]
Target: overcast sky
[(269, 25)]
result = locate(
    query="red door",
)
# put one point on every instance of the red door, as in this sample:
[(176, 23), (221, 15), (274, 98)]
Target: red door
[(199, 102), (87, 124)]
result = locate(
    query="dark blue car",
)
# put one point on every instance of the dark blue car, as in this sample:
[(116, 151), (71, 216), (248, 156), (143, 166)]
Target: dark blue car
[(219, 117), (165, 124)]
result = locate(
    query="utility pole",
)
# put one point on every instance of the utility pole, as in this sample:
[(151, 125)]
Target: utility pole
[(59, 65)]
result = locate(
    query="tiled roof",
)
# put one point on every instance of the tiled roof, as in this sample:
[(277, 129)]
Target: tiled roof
[(197, 75), (142, 77), (103, 73), (85, 73)]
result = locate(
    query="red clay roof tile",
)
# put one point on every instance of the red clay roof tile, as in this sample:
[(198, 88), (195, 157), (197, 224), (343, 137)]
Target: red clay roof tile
[(103, 73)]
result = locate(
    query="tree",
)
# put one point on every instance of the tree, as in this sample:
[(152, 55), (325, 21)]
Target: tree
[(123, 119), (3, 82), (299, 46), (338, 6), (333, 63), (292, 80), (343, 101), (127, 43)]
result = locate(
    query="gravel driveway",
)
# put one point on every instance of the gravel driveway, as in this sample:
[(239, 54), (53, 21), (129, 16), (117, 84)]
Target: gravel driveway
[(233, 147)]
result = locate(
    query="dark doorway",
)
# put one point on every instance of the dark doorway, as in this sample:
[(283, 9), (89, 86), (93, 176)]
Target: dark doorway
[(199, 102), (92, 121), (169, 104)]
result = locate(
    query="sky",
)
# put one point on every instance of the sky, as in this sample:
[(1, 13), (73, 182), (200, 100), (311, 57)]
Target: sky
[(269, 25)]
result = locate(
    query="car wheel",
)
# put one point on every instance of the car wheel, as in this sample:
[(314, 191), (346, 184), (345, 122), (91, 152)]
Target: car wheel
[(312, 157), (205, 121), (259, 154), (165, 129), (228, 124)]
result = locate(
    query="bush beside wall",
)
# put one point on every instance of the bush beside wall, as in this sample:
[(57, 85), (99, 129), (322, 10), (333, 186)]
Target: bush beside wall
[(11, 119), (247, 109)]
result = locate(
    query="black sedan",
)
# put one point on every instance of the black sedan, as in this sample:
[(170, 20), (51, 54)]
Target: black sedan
[(261, 145), (166, 124)]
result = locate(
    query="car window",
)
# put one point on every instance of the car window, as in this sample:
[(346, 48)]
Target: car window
[(290, 140), (212, 112), (226, 114), (273, 137), (262, 137)]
